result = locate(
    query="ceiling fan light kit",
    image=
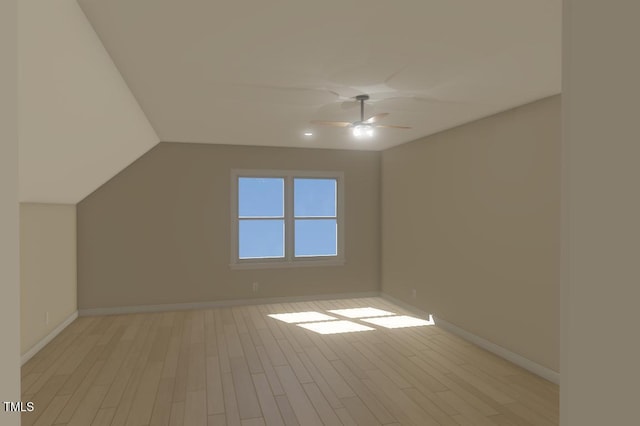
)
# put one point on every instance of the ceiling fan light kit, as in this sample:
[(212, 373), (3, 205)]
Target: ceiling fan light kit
[(363, 128)]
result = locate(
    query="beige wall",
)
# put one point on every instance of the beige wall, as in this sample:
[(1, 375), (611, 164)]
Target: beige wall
[(601, 220), (158, 232), (79, 123), (471, 220), (9, 243), (47, 269)]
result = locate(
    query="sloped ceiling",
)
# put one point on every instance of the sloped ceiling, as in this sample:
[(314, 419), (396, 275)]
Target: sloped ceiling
[(79, 125), (256, 72)]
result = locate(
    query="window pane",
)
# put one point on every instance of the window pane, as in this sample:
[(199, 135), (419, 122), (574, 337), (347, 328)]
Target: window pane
[(314, 197), (316, 237), (261, 238), (260, 197)]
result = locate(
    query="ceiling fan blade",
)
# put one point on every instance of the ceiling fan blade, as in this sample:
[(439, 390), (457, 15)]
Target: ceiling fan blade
[(332, 123), (376, 118), (392, 127)]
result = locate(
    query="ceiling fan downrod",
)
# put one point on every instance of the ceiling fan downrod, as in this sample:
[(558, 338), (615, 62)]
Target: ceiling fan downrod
[(362, 98)]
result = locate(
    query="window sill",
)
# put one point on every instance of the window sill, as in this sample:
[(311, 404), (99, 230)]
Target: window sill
[(284, 264)]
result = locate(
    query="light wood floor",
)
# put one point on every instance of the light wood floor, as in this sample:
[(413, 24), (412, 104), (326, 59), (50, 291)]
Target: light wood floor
[(237, 366)]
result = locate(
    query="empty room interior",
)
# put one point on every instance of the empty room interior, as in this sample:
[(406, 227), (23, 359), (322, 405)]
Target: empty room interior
[(292, 213)]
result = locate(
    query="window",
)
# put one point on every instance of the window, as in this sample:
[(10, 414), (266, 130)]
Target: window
[(286, 218)]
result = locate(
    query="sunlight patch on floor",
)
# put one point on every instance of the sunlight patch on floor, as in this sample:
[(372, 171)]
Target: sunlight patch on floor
[(361, 312), (295, 317), (334, 327), (399, 321)]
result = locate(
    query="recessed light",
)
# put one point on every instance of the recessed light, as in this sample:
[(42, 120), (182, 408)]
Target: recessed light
[(308, 134)]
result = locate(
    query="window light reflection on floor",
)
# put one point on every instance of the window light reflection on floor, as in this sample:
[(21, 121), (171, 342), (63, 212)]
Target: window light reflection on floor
[(295, 317), (361, 312), (334, 327), (399, 321)]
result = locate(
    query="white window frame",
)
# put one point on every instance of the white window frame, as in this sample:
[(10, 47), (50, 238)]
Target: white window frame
[(289, 260)]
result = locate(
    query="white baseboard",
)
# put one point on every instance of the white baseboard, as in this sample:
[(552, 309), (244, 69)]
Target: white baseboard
[(519, 360), (46, 339), (218, 304)]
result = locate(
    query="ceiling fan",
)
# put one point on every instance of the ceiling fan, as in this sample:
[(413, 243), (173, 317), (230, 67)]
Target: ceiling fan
[(362, 128)]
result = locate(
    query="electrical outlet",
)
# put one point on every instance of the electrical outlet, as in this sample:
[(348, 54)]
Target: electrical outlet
[(413, 293), (256, 286)]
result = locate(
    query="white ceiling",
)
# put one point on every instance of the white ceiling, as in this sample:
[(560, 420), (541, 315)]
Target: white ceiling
[(256, 72)]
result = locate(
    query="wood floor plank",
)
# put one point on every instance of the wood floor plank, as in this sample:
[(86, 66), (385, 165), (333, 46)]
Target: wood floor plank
[(48, 355), (211, 341), (48, 415), (249, 349), (223, 353), (215, 395), (145, 395), (326, 390), (527, 414), (466, 410), (177, 414), (371, 353), (182, 364), (138, 373), (345, 417), (253, 422), (234, 347), (88, 407), (43, 398), (333, 378), (161, 413), (248, 405), (238, 366), (304, 410), (195, 408), (410, 372), (408, 407), (364, 394), (79, 394), (112, 365), (359, 412), (324, 410), (273, 349), (294, 361), (431, 407), (217, 420), (230, 401), (29, 379), (196, 370), (126, 369), (288, 415), (272, 377), (238, 315), (480, 405), (267, 401), (103, 417)]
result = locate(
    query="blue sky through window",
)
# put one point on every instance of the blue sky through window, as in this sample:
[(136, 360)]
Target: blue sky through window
[(263, 197), (261, 238), (314, 197), (260, 197), (316, 237)]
